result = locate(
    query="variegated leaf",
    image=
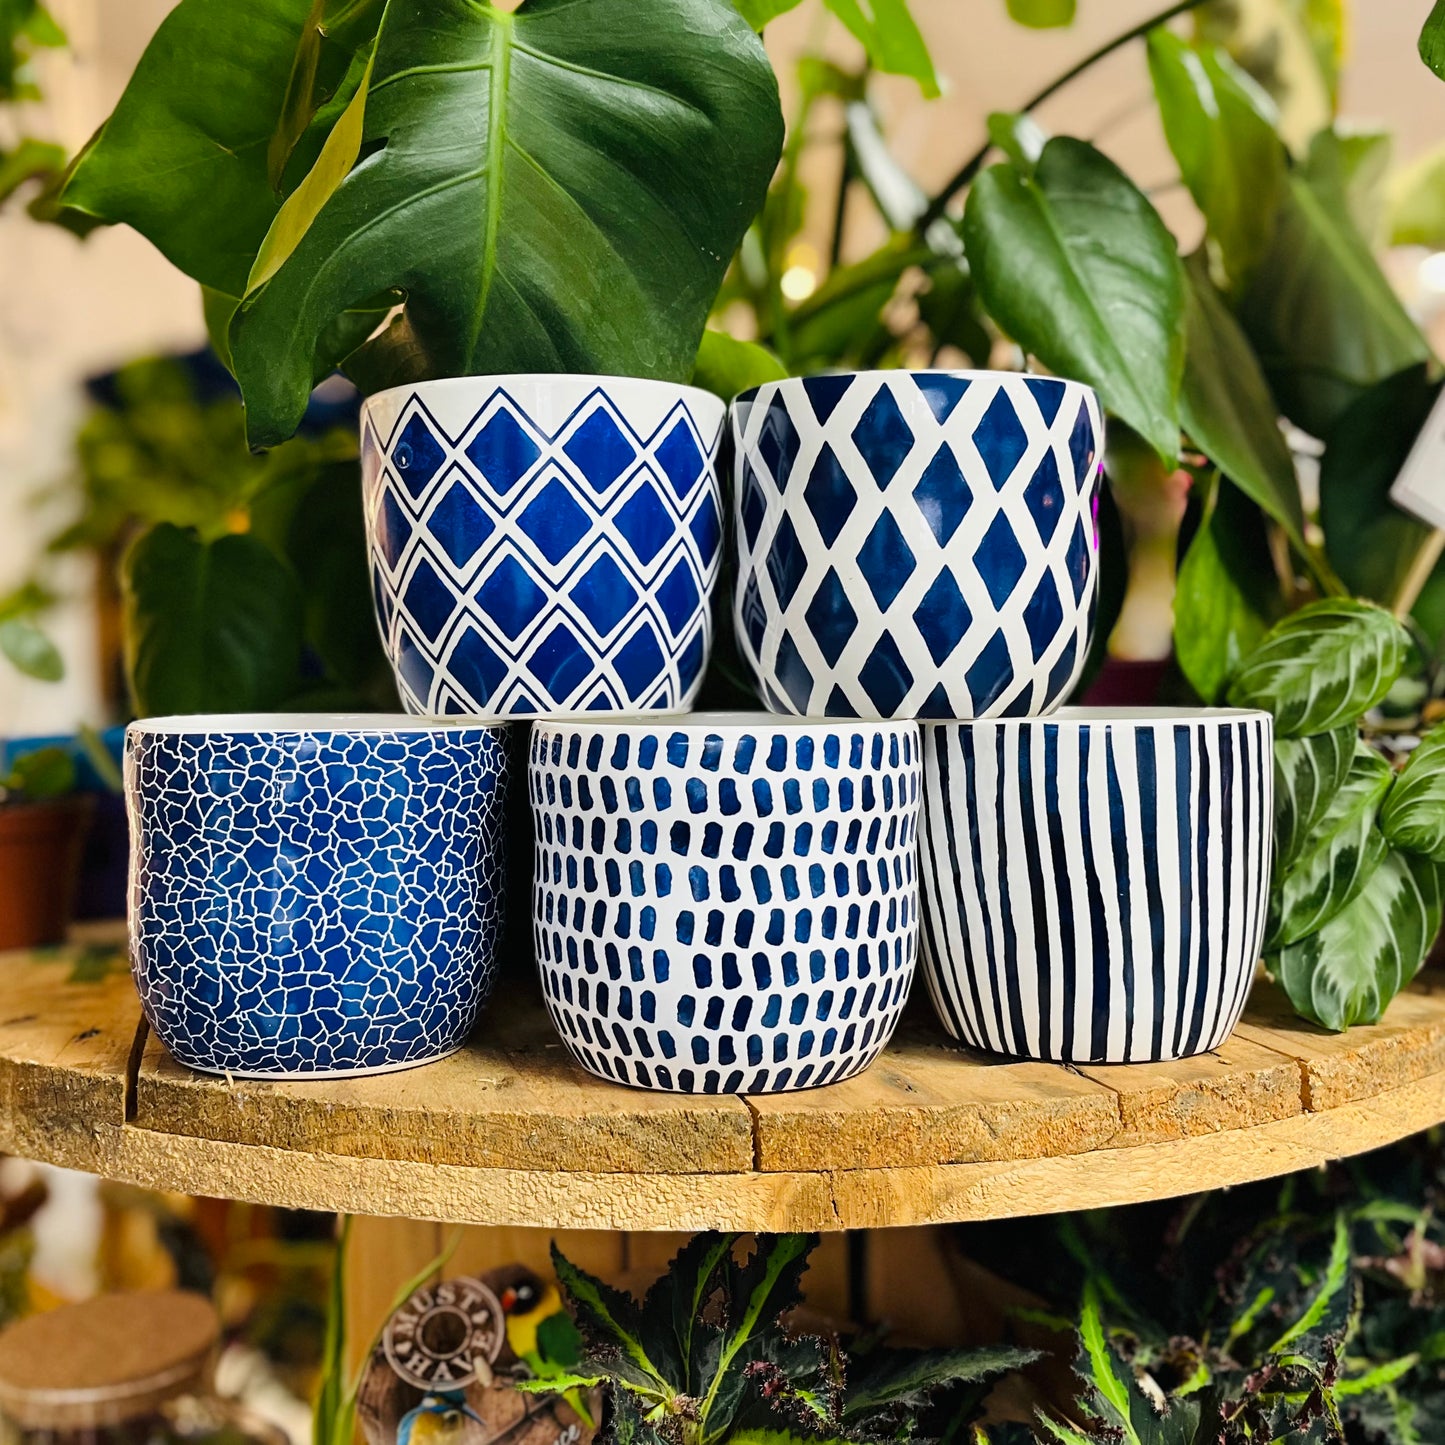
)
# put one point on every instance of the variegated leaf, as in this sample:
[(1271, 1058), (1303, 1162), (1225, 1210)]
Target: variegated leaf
[(1323, 666), (1350, 970), (1308, 772), (1342, 850), (1413, 817)]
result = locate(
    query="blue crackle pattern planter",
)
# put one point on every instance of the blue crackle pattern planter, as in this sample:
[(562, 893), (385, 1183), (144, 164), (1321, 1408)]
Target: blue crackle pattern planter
[(916, 544), (313, 896), (1095, 882), (725, 903), (543, 544)]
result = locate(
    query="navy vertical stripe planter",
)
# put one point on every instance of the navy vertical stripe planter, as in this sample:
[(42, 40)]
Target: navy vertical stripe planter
[(1094, 883)]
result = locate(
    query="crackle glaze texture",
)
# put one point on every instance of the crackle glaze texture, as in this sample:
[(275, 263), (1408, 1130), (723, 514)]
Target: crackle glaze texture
[(725, 909), (314, 902), (916, 544), (543, 545)]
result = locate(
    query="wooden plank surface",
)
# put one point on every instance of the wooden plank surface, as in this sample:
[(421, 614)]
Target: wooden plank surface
[(510, 1135), (512, 1097)]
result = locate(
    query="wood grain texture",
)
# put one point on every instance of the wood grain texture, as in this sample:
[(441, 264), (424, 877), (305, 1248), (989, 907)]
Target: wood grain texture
[(510, 1135), (511, 1096)]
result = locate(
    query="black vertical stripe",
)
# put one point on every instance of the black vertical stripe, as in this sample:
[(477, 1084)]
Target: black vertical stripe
[(1098, 921), (1068, 942), (1201, 969), (1225, 993), (965, 747), (1119, 834), (1149, 809), (1018, 1034), (1183, 786), (1043, 962)]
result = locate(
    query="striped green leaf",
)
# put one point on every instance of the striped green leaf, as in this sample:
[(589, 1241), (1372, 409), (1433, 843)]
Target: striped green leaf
[(1323, 666), (1343, 849), (1350, 970), (1308, 772), (1413, 817)]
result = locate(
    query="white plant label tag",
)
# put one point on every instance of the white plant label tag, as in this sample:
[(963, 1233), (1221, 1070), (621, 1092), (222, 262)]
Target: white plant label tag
[(1420, 487)]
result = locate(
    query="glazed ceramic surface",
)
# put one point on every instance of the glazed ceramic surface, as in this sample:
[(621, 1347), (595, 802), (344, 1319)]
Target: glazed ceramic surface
[(916, 544), (543, 544), (1095, 882), (313, 896), (726, 903)]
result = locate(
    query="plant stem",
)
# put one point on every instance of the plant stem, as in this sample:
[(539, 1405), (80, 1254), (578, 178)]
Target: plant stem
[(1419, 574), (939, 204)]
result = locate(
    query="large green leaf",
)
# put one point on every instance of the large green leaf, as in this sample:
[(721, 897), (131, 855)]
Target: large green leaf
[(1432, 39), (184, 157), (1227, 593), (726, 366), (1221, 127), (886, 29), (1227, 409), (882, 1379), (1075, 264), (1343, 849), (1356, 164), (1308, 772), (1370, 542), (1350, 970), (1413, 817), (581, 172), (1326, 665), (210, 627), (1324, 319)]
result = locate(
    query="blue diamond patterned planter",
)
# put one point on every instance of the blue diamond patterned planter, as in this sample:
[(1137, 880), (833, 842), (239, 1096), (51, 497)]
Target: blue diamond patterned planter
[(916, 544), (725, 903), (544, 545), (314, 896)]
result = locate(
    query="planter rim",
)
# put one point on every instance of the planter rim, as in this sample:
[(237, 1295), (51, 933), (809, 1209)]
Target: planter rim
[(956, 373), (712, 722), (1087, 717), (541, 379), (309, 724)]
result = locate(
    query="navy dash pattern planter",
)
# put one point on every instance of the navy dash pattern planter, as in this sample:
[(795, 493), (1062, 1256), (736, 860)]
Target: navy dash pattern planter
[(543, 544), (725, 903), (916, 544), (1095, 882), (314, 896)]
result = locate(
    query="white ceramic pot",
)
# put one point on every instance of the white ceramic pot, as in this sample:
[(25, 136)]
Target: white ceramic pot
[(1095, 883), (725, 903), (916, 544), (543, 544)]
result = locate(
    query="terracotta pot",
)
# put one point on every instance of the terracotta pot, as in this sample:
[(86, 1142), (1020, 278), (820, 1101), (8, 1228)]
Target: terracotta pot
[(40, 848)]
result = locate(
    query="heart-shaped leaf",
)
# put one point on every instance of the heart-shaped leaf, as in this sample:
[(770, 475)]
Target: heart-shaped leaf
[(1369, 541), (1343, 849), (1348, 972), (555, 189), (1308, 772), (185, 158), (1413, 817), (1075, 264), (1221, 127), (210, 627), (1227, 593), (1432, 39), (1320, 312), (1322, 667), (1227, 409)]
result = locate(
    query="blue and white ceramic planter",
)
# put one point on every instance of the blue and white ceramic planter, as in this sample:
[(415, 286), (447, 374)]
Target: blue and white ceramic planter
[(916, 544), (313, 895), (1095, 883), (725, 903), (543, 544)]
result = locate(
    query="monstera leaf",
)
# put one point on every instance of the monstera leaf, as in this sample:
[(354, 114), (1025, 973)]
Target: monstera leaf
[(1347, 972), (1344, 849), (1323, 666), (555, 189), (214, 123), (1075, 264)]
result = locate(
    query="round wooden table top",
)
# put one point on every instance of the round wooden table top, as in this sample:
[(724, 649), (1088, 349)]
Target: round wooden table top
[(105, 1361), (510, 1132)]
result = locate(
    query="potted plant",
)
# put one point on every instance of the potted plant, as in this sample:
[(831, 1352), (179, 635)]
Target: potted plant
[(43, 822)]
